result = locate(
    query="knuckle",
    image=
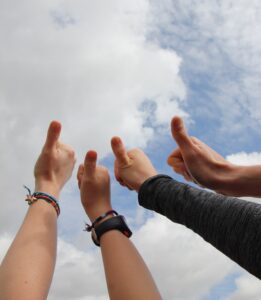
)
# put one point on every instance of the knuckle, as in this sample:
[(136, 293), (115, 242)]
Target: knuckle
[(135, 151), (71, 154), (138, 150), (195, 140), (46, 151)]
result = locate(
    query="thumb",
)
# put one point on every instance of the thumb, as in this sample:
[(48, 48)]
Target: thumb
[(120, 152), (90, 163), (179, 133), (53, 134)]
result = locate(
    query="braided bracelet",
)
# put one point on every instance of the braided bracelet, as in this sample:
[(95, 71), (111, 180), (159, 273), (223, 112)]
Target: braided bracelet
[(31, 198)]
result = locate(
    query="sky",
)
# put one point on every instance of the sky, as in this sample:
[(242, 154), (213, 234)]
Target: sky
[(118, 67)]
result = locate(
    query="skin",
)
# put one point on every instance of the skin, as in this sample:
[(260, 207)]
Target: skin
[(132, 167), (127, 276), (27, 269), (199, 163)]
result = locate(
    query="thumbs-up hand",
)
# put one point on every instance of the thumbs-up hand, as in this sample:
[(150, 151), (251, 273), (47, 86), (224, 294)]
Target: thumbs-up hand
[(55, 163), (131, 168), (94, 185), (196, 161)]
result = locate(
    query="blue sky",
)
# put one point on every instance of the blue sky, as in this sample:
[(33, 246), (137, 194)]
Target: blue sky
[(125, 68)]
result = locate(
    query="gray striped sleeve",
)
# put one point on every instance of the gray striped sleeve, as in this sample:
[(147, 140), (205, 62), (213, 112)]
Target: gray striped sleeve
[(231, 225)]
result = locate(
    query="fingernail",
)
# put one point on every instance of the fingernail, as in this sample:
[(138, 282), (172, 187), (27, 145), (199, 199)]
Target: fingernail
[(177, 123), (116, 140), (92, 154)]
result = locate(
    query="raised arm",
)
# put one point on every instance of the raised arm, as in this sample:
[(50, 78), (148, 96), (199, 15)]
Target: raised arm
[(127, 276), (231, 225), (197, 162), (27, 269)]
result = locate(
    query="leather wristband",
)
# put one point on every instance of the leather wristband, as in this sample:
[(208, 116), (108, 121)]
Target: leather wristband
[(114, 223)]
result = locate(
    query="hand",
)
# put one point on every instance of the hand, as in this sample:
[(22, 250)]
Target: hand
[(196, 161), (94, 184), (55, 163), (131, 168)]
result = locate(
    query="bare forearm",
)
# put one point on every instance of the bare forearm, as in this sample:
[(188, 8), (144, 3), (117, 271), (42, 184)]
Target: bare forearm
[(242, 181), (27, 269), (127, 275)]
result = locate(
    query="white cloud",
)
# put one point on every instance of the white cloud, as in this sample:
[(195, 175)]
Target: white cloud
[(247, 287), (5, 242), (78, 275), (184, 266), (220, 43), (245, 159), (95, 72), (87, 64)]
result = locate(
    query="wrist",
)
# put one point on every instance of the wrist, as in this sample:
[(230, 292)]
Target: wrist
[(104, 219), (244, 181), (47, 187), (94, 214), (101, 219), (232, 181), (144, 178), (116, 222)]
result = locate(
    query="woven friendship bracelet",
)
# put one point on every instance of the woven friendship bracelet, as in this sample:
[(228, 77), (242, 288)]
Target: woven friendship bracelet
[(31, 198), (90, 227)]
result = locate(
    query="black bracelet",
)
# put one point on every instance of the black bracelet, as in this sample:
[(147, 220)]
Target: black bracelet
[(114, 223), (90, 227)]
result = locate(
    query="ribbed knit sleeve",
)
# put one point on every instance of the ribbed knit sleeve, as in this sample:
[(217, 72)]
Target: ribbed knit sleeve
[(231, 225)]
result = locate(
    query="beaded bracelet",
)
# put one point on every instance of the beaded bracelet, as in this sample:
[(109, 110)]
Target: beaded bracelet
[(31, 198), (90, 227)]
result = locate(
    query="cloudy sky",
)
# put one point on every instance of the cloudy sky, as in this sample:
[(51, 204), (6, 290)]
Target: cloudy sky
[(119, 67)]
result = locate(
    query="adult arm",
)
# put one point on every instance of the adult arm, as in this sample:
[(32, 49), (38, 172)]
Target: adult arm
[(27, 269), (231, 225), (126, 273), (197, 162)]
